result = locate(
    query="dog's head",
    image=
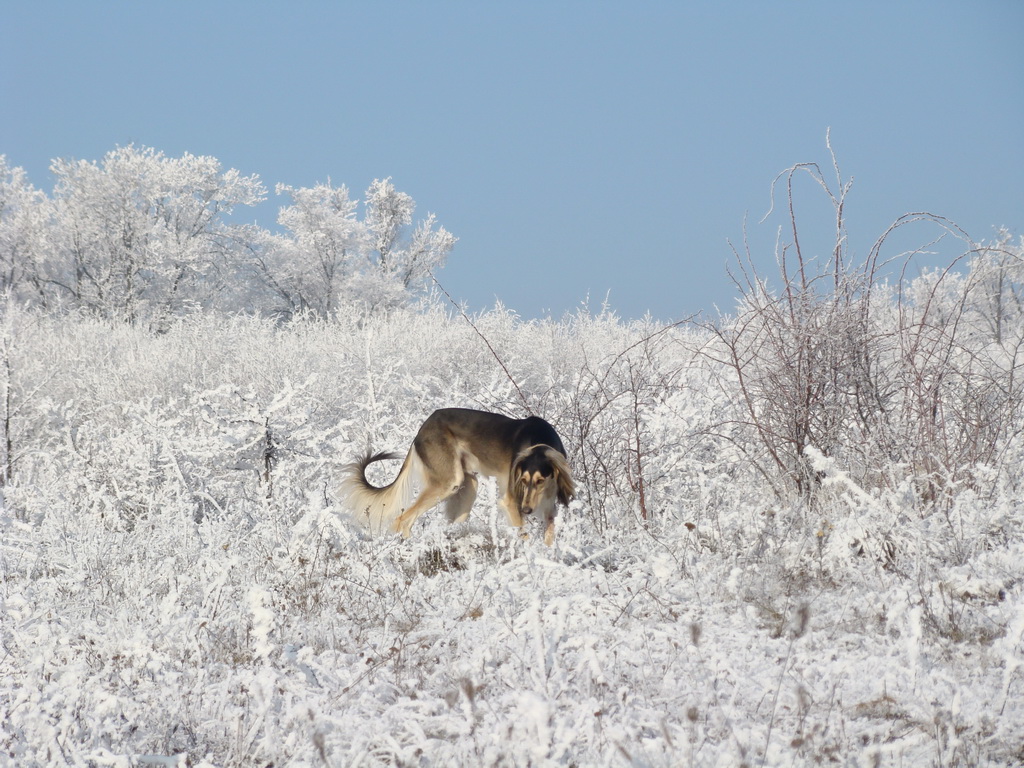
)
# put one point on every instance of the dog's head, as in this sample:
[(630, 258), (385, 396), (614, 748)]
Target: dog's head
[(540, 474)]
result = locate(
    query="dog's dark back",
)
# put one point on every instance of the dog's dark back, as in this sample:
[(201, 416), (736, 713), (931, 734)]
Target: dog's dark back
[(533, 430), (517, 434)]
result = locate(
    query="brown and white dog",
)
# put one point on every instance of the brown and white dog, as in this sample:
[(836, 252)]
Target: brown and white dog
[(451, 449)]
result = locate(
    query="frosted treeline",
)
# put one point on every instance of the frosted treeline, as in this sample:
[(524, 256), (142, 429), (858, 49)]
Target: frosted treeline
[(798, 536), (142, 237)]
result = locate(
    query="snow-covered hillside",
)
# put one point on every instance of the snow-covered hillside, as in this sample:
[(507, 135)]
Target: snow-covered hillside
[(181, 587)]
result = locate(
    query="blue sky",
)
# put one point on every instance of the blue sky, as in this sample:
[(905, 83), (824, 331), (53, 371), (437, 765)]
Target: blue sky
[(577, 149)]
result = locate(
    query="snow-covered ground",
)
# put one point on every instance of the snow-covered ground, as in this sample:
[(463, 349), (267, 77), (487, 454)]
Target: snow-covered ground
[(181, 587)]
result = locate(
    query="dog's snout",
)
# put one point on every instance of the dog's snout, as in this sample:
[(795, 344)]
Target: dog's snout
[(527, 510)]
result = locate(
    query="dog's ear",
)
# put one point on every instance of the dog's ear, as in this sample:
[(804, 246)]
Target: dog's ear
[(563, 476), (515, 472)]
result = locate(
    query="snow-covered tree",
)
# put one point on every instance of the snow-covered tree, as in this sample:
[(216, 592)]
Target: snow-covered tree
[(326, 256), (141, 235), (388, 211), (997, 272), (311, 266), (388, 216), (23, 212)]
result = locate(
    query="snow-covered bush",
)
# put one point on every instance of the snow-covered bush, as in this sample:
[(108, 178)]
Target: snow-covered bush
[(797, 536), (911, 387), (180, 586)]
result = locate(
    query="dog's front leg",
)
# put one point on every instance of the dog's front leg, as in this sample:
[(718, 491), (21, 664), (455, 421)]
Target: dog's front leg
[(512, 510), (549, 529)]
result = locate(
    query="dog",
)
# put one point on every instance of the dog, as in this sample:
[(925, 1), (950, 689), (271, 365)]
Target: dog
[(453, 447)]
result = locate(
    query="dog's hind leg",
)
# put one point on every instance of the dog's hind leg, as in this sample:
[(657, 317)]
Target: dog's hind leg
[(443, 479), (430, 498), (458, 505)]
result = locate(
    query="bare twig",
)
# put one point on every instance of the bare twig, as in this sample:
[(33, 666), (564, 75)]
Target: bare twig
[(494, 354)]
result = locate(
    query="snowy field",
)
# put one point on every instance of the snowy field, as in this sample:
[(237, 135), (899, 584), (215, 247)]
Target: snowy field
[(181, 587)]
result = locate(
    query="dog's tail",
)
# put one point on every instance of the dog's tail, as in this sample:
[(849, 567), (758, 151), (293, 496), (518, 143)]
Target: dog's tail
[(374, 507)]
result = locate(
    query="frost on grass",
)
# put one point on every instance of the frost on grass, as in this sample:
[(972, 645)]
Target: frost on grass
[(180, 586)]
